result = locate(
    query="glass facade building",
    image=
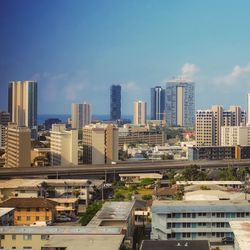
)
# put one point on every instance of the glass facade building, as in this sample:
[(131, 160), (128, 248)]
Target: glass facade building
[(157, 103), (115, 102), (180, 103)]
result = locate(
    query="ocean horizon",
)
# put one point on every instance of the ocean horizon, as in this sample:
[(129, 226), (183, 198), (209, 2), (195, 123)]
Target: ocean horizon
[(64, 117)]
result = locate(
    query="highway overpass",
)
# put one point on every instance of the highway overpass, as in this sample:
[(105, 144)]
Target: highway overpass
[(124, 167)]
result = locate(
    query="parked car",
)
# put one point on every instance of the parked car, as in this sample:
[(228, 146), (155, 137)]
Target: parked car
[(63, 218), (228, 240)]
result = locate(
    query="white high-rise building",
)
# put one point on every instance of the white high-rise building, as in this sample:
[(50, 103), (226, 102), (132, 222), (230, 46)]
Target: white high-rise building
[(140, 113), (248, 109), (63, 145), (81, 115)]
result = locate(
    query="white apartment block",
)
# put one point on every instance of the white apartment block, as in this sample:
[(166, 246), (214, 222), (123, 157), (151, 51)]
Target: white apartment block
[(235, 135), (196, 220), (209, 122), (64, 145)]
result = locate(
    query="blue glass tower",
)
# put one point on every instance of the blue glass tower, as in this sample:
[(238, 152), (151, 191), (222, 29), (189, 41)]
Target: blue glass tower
[(115, 102), (157, 103)]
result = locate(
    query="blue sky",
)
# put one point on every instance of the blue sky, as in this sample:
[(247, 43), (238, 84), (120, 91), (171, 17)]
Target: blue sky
[(77, 49)]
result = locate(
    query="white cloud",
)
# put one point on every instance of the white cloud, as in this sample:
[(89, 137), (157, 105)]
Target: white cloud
[(130, 86), (238, 75), (188, 71)]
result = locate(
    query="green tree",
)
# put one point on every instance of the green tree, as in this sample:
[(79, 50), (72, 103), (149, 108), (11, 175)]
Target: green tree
[(147, 181), (147, 197), (91, 210)]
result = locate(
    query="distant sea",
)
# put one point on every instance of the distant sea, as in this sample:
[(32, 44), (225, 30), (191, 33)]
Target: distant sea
[(64, 117)]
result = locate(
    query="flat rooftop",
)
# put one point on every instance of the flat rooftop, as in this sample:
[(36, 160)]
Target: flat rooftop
[(113, 211), (209, 182), (175, 206), (241, 230), (90, 242), (175, 245), (60, 230)]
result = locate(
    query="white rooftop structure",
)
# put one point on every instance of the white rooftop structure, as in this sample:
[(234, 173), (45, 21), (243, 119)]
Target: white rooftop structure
[(241, 230)]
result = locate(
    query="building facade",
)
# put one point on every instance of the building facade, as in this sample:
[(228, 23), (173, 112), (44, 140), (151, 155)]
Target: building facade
[(180, 103), (81, 115), (140, 113), (17, 146), (30, 210), (158, 103), (196, 220), (100, 144), (22, 103), (63, 145), (209, 122), (115, 102)]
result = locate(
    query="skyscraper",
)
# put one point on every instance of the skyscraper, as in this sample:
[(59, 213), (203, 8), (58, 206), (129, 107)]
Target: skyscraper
[(140, 113), (248, 109), (115, 102), (22, 101), (180, 103), (81, 115), (157, 103)]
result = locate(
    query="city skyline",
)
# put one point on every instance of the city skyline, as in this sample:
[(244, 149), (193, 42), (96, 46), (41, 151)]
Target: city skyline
[(74, 53)]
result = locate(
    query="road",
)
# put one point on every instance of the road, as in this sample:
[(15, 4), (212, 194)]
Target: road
[(124, 167)]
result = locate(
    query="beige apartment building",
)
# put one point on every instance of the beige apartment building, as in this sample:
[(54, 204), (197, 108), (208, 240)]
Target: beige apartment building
[(209, 123), (18, 146), (100, 144), (63, 145), (140, 113)]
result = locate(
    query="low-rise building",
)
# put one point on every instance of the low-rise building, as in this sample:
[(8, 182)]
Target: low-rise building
[(63, 237), (6, 216), (218, 152), (68, 206), (30, 210), (226, 184), (196, 220), (116, 214)]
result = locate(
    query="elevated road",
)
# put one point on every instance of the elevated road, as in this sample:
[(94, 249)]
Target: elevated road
[(124, 167)]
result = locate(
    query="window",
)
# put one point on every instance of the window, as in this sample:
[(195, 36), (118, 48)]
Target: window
[(44, 237), (28, 209), (2, 237), (28, 218), (37, 209), (19, 218), (27, 247), (19, 209), (169, 215), (13, 237), (27, 237), (13, 247), (37, 218)]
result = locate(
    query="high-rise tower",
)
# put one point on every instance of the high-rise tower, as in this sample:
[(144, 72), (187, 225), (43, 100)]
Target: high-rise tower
[(180, 103), (157, 103), (22, 101), (81, 115), (115, 102), (140, 113)]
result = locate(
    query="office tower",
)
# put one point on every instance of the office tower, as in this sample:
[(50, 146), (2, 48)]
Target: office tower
[(158, 103), (4, 120), (209, 123), (81, 115), (63, 145), (17, 146), (180, 103), (140, 113), (23, 103), (115, 102), (100, 144)]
